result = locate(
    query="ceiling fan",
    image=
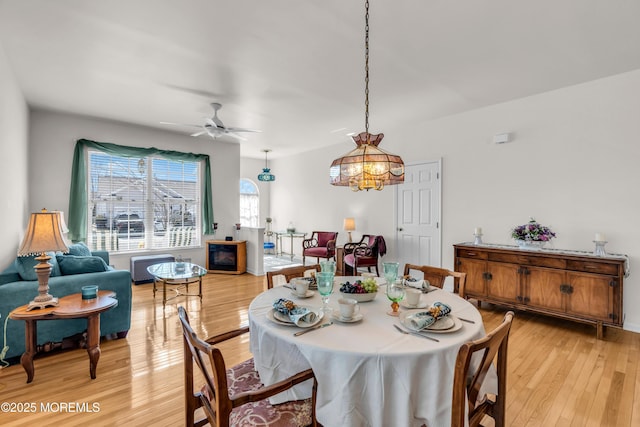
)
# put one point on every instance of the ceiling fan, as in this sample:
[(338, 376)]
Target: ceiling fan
[(214, 127)]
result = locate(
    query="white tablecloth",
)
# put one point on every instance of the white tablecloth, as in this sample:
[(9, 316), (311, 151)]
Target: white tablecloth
[(368, 373)]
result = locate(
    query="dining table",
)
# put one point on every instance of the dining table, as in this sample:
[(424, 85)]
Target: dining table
[(368, 373)]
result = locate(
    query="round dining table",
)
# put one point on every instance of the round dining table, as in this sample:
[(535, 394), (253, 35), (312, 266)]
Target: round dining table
[(368, 373)]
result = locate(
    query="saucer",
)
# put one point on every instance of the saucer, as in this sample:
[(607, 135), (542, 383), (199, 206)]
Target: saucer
[(358, 317), (309, 294), (421, 304)]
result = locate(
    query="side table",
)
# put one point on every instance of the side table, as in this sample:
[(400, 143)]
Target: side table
[(69, 307)]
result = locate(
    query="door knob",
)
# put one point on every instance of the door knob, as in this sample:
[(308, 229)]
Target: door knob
[(400, 228)]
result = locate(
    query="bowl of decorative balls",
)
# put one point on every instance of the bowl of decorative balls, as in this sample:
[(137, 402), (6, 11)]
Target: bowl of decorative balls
[(360, 290)]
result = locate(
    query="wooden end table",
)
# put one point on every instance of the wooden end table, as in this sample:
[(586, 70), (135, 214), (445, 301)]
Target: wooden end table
[(69, 307)]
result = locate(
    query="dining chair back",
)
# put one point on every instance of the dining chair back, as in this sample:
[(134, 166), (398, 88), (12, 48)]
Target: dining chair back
[(235, 397), (284, 275), (363, 254), (321, 244), (436, 276), (468, 378)]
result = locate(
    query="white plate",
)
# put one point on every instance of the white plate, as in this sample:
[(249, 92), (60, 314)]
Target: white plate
[(282, 319), (445, 325), (358, 317), (309, 294), (421, 304)]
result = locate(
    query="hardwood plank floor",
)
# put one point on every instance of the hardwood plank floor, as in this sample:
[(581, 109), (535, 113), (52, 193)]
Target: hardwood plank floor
[(559, 374)]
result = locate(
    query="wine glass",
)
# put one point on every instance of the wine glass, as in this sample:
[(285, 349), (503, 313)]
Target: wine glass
[(324, 281), (390, 271), (395, 293), (328, 267)]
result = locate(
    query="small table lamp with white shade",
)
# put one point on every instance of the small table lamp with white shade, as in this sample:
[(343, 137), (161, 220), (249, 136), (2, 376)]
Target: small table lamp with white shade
[(44, 233), (349, 226)]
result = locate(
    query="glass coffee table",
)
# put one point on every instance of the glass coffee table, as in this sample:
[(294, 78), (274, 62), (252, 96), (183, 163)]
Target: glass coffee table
[(181, 274)]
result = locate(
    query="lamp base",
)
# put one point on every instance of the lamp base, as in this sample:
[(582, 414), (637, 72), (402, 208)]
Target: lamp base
[(53, 302)]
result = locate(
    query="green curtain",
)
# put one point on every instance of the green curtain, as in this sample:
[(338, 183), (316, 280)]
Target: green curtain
[(78, 195)]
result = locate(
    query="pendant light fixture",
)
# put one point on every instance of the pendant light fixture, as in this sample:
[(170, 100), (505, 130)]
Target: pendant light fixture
[(266, 174), (367, 167)]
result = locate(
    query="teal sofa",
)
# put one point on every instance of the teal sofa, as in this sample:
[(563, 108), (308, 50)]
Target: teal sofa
[(80, 270)]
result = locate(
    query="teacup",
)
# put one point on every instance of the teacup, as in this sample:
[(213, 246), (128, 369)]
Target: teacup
[(348, 308), (412, 297), (300, 287)]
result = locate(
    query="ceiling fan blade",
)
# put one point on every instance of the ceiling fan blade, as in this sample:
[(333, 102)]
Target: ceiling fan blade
[(242, 130), (212, 123), (181, 124), (234, 135), (202, 132)]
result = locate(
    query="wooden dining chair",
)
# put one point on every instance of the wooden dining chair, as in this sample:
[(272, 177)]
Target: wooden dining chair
[(467, 381), (436, 276), (235, 397), (290, 273)]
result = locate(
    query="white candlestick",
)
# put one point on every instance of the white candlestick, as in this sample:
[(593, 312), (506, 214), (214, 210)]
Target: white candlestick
[(478, 230), (600, 237)]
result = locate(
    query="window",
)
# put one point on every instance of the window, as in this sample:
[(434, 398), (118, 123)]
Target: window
[(249, 204), (146, 202)]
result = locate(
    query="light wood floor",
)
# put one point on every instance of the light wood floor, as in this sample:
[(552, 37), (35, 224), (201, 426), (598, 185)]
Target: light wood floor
[(559, 374)]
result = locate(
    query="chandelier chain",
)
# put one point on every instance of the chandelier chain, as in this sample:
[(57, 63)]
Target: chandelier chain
[(366, 68)]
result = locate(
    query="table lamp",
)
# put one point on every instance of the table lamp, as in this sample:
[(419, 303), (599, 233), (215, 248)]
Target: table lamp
[(44, 233), (349, 226)]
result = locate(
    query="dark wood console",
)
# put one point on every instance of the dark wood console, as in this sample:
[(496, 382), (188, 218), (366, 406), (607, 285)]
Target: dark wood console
[(568, 284)]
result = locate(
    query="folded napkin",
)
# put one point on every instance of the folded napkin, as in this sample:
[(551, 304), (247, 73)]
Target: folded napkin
[(296, 314), (424, 319), (412, 282)]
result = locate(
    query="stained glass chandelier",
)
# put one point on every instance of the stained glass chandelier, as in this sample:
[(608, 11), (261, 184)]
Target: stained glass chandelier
[(367, 167), (266, 174)]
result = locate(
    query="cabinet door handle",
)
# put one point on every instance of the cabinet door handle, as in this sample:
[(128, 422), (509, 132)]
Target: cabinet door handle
[(566, 289), (519, 298), (527, 299)]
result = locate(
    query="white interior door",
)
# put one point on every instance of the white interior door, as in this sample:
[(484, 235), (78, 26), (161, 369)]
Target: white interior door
[(418, 210)]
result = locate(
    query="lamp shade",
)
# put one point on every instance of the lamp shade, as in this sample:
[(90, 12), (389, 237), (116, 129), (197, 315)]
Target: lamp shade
[(367, 167), (349, 224), (44, 234)]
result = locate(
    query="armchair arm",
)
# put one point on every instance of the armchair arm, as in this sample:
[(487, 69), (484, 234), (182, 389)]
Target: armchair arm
[(363, 250), (350, 247), (309, 243), (331, 245)]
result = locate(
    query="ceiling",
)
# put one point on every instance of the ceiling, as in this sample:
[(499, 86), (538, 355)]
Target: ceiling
[(295, 68)]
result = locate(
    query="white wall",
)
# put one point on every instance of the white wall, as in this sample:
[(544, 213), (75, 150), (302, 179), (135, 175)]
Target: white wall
[(14, 117), (572, 164), (52, 140)]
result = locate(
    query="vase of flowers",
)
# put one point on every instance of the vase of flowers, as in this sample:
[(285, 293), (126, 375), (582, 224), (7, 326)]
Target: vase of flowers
[(532, 235)]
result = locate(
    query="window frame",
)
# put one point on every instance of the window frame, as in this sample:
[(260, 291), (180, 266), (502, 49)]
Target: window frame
[(79, 190)]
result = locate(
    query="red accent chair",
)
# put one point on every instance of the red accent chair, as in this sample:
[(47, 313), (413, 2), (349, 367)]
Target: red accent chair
[(365, 253), (322, 244)]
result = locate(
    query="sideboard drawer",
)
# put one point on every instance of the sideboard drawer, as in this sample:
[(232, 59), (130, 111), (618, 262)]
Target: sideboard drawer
[(466, 253), (593, 267)]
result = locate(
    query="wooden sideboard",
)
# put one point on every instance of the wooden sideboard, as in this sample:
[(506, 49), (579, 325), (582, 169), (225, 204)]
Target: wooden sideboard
[(567, 284)]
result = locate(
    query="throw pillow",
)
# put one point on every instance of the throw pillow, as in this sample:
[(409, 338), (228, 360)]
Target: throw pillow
[(79, 249), (72, 264), (25, 264)]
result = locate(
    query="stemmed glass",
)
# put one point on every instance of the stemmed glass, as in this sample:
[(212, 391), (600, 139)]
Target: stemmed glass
[(395, 293), (328, 267), (395, 290), (324, 281)]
